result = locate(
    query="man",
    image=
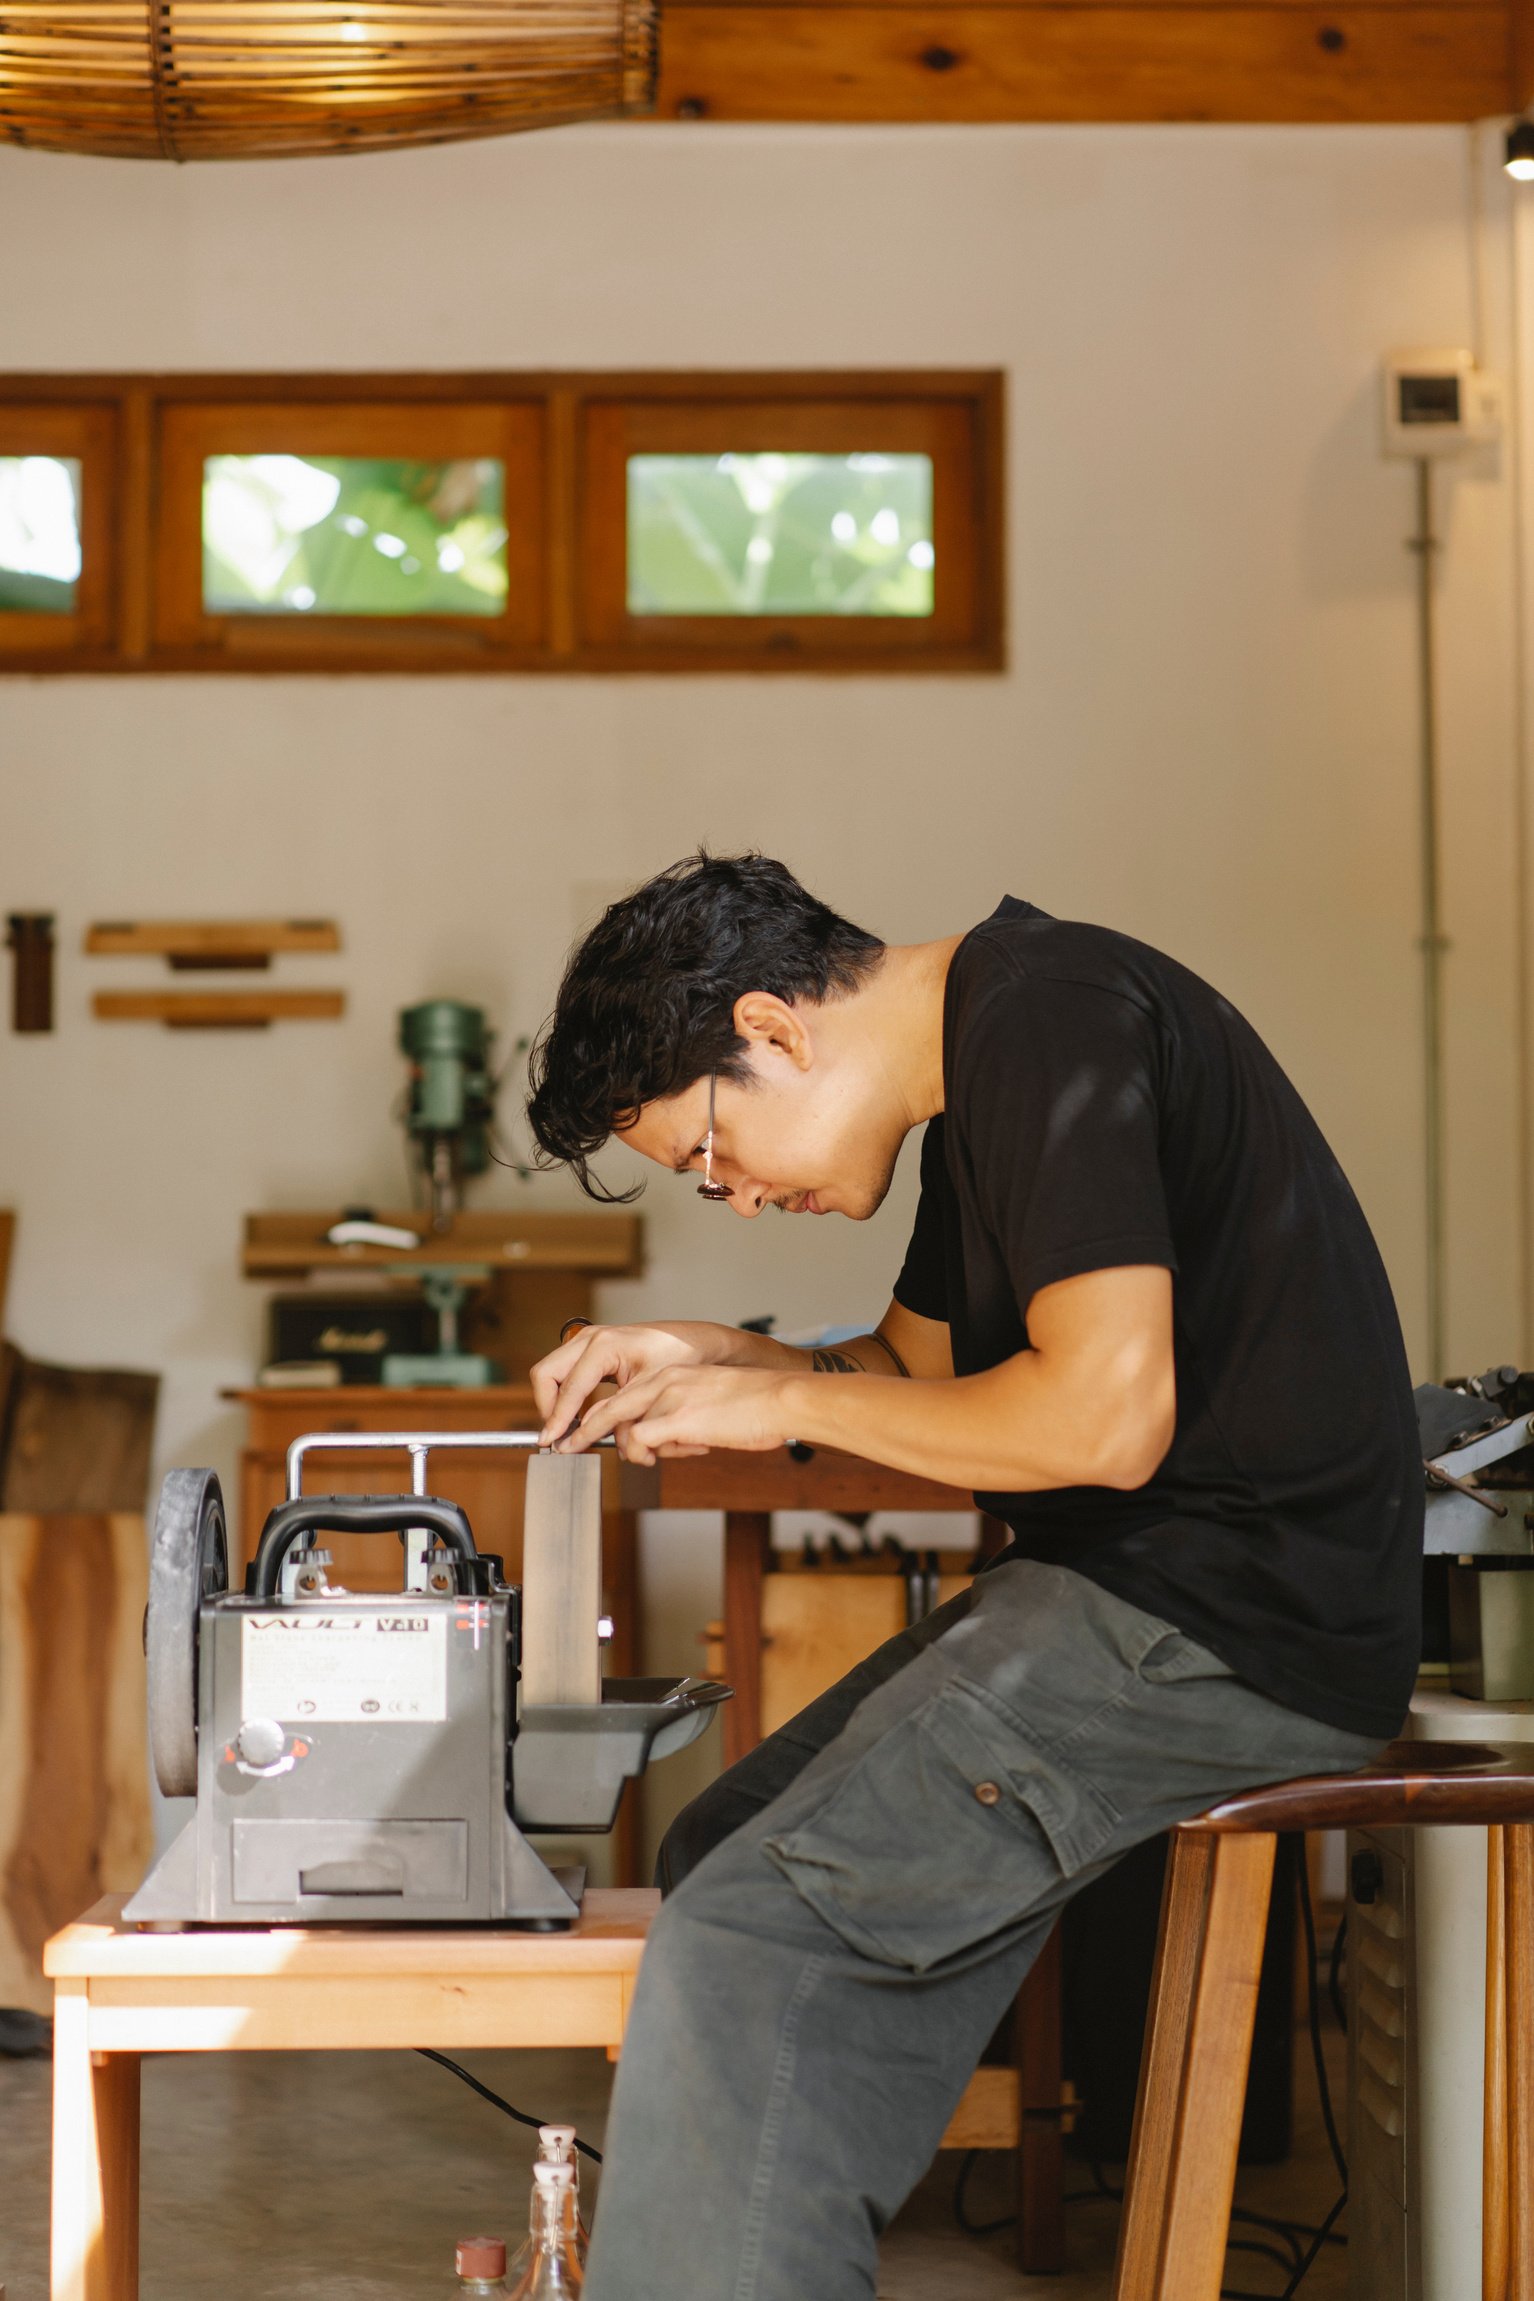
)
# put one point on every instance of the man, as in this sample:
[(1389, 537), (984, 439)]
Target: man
[(1142, 1314)]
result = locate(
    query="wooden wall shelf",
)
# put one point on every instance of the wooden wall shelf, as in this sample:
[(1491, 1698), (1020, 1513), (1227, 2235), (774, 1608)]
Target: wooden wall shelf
[(218, 1010), (279, 1246), (209, 943)]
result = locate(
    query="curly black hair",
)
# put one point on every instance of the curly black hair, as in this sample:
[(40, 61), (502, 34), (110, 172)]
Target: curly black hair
[(647, 1003)]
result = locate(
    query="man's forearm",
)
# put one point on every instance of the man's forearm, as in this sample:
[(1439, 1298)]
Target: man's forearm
[(1009, 1430), (859, 1354)]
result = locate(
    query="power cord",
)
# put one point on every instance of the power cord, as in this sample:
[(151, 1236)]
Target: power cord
[(495, 2100), (1292, 2253)]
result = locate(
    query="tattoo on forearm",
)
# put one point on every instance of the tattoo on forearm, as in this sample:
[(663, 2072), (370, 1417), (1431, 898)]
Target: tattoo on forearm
[(841, 1361)]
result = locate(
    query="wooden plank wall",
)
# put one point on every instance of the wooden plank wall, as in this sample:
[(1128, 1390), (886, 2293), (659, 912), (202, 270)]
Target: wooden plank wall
[(952, 60), (74, 1789)]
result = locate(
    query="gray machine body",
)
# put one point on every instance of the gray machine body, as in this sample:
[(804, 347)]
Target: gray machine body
[(360, 1757)]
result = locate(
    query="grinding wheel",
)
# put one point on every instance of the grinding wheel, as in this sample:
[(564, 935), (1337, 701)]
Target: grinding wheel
[(188, 1561)]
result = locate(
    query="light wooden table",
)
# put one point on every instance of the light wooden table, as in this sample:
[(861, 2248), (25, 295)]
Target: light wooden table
[(119, 1993)]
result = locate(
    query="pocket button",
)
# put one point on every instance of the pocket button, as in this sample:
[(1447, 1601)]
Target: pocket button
[(988, 1793)]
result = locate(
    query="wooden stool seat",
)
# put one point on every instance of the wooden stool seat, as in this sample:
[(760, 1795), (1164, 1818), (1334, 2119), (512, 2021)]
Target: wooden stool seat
[(1193, 2073)]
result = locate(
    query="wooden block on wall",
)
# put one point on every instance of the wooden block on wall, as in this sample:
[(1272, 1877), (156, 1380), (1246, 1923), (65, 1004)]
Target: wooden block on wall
[(74, 1790)]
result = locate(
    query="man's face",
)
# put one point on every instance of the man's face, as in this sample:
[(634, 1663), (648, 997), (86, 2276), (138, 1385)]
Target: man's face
[(794, 1138)]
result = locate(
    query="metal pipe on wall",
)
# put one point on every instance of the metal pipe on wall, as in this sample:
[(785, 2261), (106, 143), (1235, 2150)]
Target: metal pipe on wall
[(1432, 939)]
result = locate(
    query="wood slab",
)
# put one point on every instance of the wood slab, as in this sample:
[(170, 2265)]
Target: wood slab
[(76, 1438), (74, 1790)]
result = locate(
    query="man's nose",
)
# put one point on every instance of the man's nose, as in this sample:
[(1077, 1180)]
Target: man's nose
[(749, 1199)]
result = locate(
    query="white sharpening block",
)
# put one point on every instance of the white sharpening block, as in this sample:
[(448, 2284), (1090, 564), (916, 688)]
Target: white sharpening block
[(562, 1579)]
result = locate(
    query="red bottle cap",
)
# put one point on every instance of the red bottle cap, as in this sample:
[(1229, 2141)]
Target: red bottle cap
[(483, 2257)]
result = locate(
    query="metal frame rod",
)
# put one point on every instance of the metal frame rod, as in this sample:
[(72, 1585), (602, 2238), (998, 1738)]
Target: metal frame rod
[(416, 1443)]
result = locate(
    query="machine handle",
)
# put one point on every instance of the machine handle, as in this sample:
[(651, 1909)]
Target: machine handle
[(354, 1514)]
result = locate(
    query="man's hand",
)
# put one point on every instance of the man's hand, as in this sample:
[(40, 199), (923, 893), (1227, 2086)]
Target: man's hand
[(684, 1410), (566, 1379)]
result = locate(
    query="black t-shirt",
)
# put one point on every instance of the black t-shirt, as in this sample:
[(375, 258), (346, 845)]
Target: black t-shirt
[(1104, 1107)]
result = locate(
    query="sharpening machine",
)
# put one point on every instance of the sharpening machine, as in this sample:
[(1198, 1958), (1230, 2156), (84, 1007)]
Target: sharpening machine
[(380, 1756)]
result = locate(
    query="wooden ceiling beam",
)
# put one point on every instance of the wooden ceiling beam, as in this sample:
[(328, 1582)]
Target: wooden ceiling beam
[(1002, 60)]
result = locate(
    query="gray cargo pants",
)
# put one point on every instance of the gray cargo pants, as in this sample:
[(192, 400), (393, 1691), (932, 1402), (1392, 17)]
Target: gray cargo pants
[(852, 1907)]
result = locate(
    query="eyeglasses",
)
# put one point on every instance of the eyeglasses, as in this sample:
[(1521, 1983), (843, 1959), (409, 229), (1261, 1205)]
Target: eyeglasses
[(708, 1188)]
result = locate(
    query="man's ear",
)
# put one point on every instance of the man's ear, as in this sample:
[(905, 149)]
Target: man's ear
[(769, 1025)]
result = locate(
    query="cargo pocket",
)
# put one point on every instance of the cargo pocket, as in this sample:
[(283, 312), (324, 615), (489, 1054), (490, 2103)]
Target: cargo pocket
[(1176, 1657), (952, 1828)]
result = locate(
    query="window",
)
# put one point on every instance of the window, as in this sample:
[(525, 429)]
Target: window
[(835, 524), (353, 535), (39, 534), (57, 571), (308, 531), (780, 534), (511, 522)]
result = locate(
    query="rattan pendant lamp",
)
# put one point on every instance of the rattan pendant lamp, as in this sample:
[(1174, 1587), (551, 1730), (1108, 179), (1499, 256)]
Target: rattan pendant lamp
[(248, 79)]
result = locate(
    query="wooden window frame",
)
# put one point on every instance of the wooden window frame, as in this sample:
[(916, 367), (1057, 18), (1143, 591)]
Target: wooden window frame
[(40, 425), (564, 440), (189, 431)]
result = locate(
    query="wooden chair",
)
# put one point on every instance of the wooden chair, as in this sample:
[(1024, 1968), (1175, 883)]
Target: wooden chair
[(1182, 2166)]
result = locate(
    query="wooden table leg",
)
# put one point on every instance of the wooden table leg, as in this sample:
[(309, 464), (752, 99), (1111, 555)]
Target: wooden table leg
[(747, 1551), (1182, 2162), (1518, 1923), (1040, 2148), (95, 2161), (1494, 2126)]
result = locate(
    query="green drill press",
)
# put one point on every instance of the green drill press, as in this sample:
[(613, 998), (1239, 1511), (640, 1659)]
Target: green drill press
[(451, 1098), (449, 1110)]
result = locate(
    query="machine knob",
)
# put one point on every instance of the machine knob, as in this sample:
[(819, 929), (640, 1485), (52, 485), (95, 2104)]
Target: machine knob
[(261, 1741)]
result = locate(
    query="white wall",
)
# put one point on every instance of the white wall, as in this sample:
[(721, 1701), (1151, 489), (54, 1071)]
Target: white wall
[(1207, 736)]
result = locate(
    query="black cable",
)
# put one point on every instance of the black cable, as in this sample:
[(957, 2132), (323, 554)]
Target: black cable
[(485, 2094), (1313, 1995), (961, 2211), (1322, 2236)]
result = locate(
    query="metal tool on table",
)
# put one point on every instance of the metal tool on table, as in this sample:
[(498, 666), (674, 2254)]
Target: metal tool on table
[(450, 1101), (380, 1756), (1477, 1439)]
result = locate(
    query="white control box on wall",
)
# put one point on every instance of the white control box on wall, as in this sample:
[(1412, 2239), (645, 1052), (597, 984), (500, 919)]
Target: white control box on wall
[(1438, 402)]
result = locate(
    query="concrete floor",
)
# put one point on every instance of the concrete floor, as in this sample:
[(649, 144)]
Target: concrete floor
[(267, 2176)]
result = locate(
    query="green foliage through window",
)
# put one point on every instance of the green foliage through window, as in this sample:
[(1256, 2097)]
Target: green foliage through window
[(780, 535), (353, 535), (39, 534)]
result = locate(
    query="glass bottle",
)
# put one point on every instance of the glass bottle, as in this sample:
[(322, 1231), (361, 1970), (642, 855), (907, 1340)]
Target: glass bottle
[(554, 2272), (481, 2265), (556, 2146)]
